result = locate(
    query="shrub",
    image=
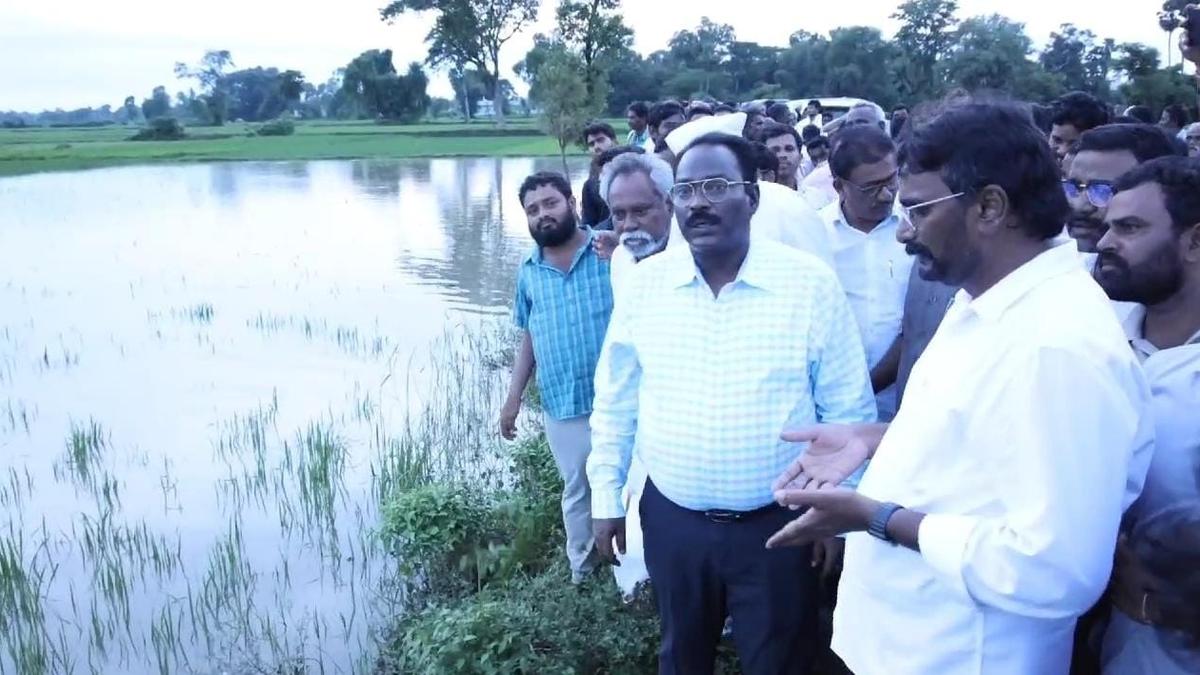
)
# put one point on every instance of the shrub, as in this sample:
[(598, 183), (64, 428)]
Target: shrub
[(161, 129), (279, 127), (538, 625)]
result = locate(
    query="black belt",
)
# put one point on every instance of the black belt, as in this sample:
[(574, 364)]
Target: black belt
[(726, 516)]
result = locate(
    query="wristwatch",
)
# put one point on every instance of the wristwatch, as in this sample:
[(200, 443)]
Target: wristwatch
[(878, 526)]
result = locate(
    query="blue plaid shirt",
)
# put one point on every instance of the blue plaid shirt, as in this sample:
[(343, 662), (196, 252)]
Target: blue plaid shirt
[(566, 316)]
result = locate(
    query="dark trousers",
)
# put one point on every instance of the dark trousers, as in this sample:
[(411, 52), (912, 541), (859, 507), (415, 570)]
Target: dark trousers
[(702, 570)]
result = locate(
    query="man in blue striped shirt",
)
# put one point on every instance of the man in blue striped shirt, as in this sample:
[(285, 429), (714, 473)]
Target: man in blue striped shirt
[(563, 302), (713, 351)]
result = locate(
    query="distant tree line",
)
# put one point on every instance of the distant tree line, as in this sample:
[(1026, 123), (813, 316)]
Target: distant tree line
[(934, 52)]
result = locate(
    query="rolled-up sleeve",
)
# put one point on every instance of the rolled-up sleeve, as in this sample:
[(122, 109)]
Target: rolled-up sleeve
[(1072, 437), (614, 415)]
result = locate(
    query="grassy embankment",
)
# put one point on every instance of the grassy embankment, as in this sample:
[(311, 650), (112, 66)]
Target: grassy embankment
[(34, 150)]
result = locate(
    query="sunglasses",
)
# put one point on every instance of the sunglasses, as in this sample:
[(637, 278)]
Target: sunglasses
[(1099, 192)]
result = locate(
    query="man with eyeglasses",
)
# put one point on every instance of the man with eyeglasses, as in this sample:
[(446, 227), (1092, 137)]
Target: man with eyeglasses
[(729, 341), (1105, 153), (871, 264), (986, 521)]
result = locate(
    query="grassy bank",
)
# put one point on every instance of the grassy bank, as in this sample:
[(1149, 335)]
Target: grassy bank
[(34, 150)]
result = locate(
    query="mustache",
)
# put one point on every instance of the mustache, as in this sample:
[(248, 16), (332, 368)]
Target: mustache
[(917, 249), (1111, 259), (635, 238), (700, 219)]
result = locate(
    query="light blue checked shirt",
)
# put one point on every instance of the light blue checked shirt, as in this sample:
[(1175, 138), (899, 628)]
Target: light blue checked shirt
[(566, 316), (705, 385)]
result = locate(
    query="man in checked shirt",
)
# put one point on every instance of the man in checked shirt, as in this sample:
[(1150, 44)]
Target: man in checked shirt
[(722, 344)]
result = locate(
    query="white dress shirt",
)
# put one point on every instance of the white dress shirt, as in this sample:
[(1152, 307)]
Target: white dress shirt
[(1162, 526), (1024, 434), (874, 269), (817, 187), (705, 385)]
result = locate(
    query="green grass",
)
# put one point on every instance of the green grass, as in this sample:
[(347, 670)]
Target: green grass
[(35, 150)]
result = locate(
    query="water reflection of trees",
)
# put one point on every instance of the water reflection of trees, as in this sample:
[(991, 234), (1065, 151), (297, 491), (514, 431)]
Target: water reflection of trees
[(483, 227), (226, 178)]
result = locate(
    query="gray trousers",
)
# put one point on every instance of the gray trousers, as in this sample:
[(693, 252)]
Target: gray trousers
[(571, 443)]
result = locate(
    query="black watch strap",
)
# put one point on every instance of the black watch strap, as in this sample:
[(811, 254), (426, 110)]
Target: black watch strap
[(878, 526)]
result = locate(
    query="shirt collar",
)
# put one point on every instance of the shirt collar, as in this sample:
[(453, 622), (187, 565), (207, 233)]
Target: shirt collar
[(839, 219), (537, 258), (993, 302), (755, 270), (1135, 322)]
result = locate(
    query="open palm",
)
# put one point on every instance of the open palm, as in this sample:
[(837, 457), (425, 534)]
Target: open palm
[(835, 452)]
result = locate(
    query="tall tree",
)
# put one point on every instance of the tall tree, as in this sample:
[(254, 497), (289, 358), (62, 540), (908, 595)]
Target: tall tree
[(209, 73), (371, 81), (594, 31), (1081, 62), (856, 60), (704, 51), (803, 66), (158, 105), (993, 53), (925, 37), (470, 32), (563, 96)]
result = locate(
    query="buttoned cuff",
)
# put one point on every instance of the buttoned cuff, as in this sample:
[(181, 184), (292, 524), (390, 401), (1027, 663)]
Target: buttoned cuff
[(943, 542), (607, 504)]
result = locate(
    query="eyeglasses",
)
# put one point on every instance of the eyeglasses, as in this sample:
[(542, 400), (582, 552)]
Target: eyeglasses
[(1099, 192), (910, 212), (873, 191), (714, 190)]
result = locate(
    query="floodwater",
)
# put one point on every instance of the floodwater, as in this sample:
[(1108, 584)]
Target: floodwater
[(203, 370)]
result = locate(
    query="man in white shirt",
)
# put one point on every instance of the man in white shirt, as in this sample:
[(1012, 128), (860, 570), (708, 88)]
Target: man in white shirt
[(1150, 255), (986, 521), (870, 262), (817, 186), (716, 349)]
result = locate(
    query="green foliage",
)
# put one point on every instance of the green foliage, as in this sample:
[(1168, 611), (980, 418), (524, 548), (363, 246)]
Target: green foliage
[(161, 129), (1160, 88), (371, 81), (470, 32), (594, 31), (279, 127), (158, 105), (533, 626), (925, 36), (563, 97), (991, 53)]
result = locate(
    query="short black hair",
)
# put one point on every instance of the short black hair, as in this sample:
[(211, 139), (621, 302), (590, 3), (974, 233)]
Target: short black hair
[(537, 180), (816, 104), (1141, 113), (900, 107), (1144, 141), (767, 161), (779, 112), (698, 108), (817, 142), (975, 145), (775, 129), (597, 128), (858, 145), (722, 108), (616, 151), (1081, 110), (1178, 114), (741, 148), (1126, 119), (1179, 179), (809, 132), (1042, 114), (664, 110), (638, 108)]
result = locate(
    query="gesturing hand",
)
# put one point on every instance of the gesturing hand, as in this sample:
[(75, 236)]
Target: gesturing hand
[(834, 453), (832, 511)]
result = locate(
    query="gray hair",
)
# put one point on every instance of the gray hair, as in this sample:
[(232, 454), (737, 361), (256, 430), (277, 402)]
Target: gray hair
[(661, 176)]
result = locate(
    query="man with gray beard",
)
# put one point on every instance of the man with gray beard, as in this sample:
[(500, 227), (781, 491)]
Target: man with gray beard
[(637, 188)]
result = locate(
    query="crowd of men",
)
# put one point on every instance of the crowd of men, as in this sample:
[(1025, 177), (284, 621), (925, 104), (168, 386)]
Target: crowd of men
[(960, 353)]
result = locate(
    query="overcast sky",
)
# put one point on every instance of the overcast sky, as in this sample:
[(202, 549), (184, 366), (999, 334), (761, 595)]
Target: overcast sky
[(76, 53)]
